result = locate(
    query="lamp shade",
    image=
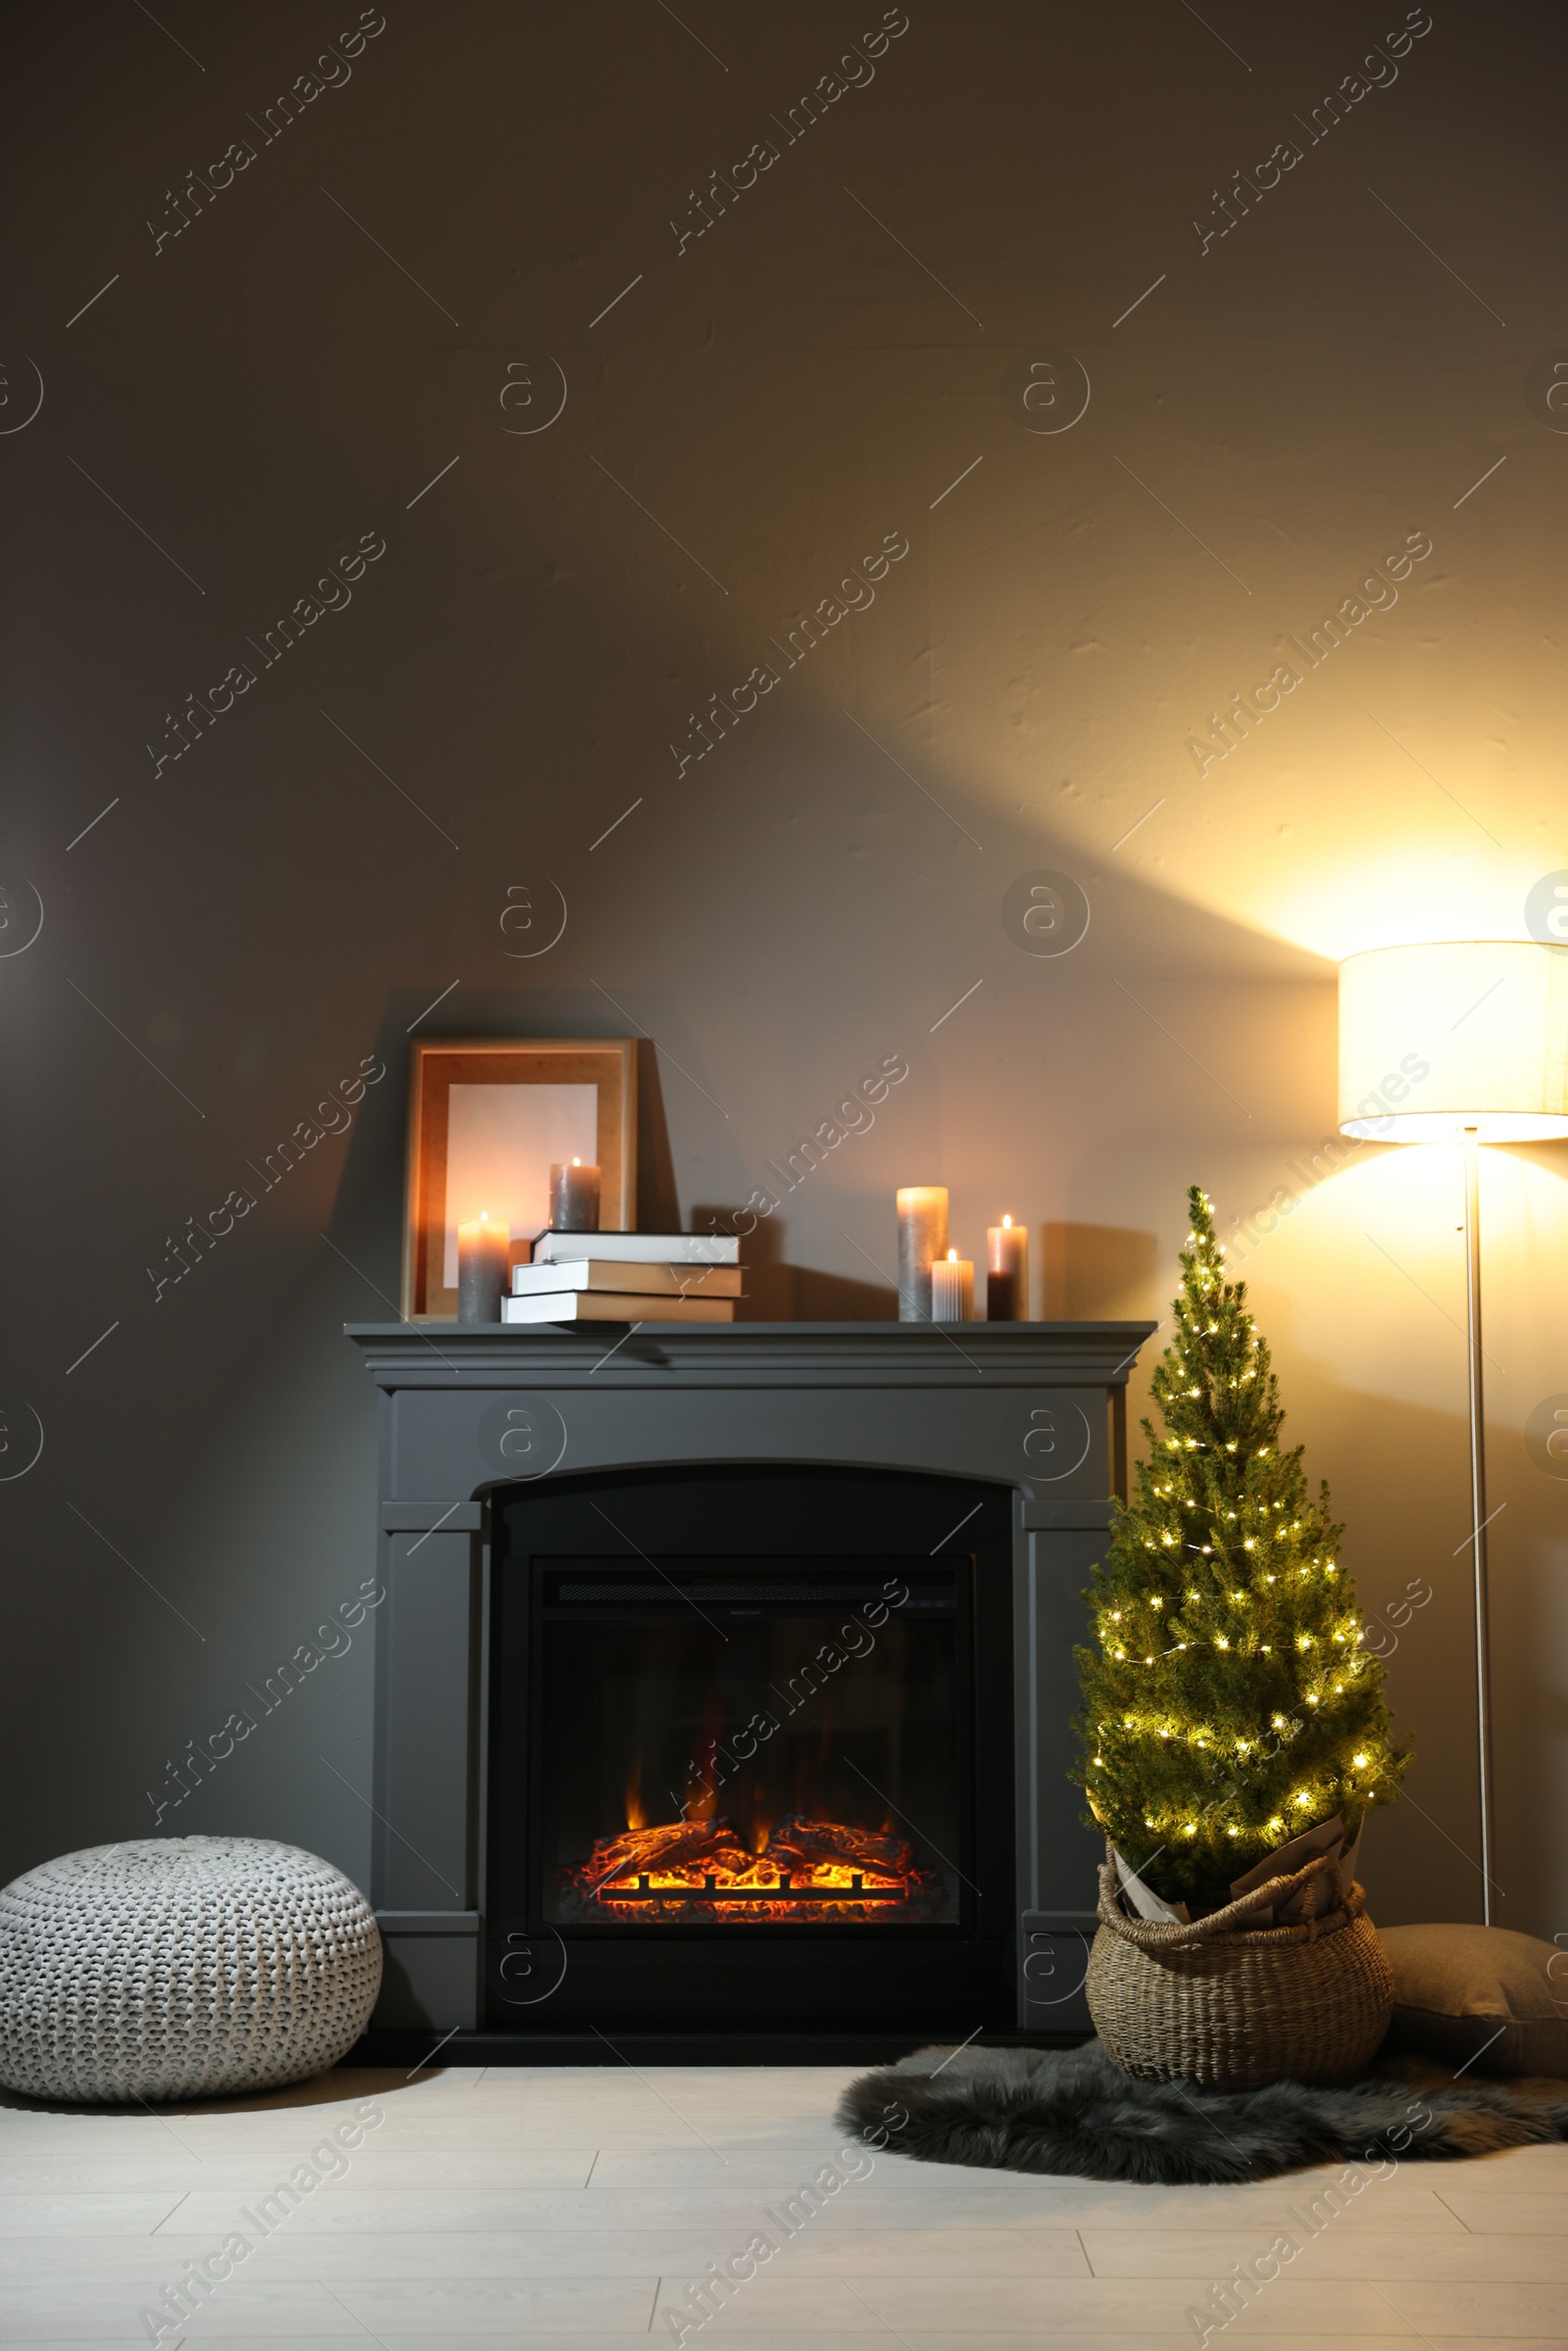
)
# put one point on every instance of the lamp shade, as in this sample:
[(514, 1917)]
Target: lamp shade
[(1469, 1034)]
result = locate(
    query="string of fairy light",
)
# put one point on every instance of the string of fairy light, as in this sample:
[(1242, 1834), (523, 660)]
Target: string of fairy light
[(1141, 1641)]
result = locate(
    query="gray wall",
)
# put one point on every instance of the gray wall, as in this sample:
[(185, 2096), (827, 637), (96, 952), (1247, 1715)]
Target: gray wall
[(246, 922)]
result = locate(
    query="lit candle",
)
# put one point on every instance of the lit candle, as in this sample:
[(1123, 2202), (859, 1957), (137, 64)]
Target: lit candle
[(1007, 1272), (952, 1288), (922, 1236), (573, 1197), (484, 1268)]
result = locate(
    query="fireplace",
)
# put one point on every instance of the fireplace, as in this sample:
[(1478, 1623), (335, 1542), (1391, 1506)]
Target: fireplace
[(752, 1746), (723, 1685)]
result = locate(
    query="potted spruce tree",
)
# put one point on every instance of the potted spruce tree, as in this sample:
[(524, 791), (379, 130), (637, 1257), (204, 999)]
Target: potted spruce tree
[(1234, 1731)]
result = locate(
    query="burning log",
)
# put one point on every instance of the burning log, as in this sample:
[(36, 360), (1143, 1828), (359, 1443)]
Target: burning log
[(675, 1847), (804, 1844)]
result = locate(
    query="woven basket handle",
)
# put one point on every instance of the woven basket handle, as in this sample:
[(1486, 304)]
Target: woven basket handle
[(1320, 1884)]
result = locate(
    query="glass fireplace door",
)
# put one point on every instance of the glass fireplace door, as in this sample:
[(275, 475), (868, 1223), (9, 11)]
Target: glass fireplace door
[(750, 1741)]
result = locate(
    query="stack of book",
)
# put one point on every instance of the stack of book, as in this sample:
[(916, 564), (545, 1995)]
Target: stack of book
[(627, 1277)]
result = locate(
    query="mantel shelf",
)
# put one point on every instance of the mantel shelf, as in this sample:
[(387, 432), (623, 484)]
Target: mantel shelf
[(444, 1354)]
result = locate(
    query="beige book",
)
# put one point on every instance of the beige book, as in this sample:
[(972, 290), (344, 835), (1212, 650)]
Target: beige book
[(607, 1305), (621, 1275)]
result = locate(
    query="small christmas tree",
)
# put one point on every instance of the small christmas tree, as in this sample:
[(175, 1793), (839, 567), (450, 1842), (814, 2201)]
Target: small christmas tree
[(1229, 1704)]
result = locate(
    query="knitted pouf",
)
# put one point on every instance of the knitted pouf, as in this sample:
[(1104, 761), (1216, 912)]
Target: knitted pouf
[(181, 1967)]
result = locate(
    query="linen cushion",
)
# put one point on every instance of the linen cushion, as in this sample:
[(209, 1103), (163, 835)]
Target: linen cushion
[(1481, 1993)]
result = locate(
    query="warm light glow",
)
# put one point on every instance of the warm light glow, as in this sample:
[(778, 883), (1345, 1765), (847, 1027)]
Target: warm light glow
[(1006, 1224), (1411, 886), (817, 1873), (576, 1163), (953, 1256), (1437, 1041)]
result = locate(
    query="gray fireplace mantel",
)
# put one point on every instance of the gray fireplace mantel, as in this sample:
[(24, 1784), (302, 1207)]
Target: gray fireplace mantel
[(1038, 1408)]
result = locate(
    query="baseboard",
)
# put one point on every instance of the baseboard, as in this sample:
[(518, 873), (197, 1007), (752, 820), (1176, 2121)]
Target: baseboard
[(411, 2049)]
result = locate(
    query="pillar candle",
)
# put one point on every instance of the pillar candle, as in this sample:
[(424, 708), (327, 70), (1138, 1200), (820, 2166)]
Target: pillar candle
[(1007, 1272), (573, 1197), (484, 1268), (952, 1288), (922, 1235)]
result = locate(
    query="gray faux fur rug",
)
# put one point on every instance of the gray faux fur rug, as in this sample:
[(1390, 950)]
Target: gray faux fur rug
[(1073, 2111)]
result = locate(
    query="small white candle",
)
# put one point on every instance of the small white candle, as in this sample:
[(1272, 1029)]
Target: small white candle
[(1007, 1272), (952, 1288), (484, 1268), (573, 1197)]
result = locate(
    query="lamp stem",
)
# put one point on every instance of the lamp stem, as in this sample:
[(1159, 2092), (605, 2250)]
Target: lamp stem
[(1478, 1504)]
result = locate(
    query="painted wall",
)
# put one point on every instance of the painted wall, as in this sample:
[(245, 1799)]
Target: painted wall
[(347, 340)]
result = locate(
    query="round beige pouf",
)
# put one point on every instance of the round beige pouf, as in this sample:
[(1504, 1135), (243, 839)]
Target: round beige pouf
[(181, 1967)]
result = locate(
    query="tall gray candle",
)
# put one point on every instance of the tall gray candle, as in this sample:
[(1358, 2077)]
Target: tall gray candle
[(484, 1272), (573, 1197), (922, 1235)]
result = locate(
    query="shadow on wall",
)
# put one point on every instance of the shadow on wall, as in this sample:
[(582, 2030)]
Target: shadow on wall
[(777, 1292), (1416, 1600), (1092, 1273), (1099, 1272), (370, 1195)]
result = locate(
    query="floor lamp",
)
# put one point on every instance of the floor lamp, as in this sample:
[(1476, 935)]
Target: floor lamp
[(1462, 1043)]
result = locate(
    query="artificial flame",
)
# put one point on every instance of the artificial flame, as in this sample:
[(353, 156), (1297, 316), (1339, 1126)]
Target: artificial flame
[(636, 1817)]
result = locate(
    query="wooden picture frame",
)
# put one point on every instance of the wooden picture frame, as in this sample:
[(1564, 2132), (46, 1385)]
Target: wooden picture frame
[(464, 1138)]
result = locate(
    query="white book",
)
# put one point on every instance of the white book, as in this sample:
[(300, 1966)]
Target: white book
[(609, 1305), (596, 1273), (640, 1248)]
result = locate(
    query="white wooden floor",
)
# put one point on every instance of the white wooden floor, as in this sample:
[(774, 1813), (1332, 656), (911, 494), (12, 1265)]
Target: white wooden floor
[(518, 2207)]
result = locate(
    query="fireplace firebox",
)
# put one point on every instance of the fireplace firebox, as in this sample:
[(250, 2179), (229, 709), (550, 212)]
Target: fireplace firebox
[(747, 1784), (752, 1730)]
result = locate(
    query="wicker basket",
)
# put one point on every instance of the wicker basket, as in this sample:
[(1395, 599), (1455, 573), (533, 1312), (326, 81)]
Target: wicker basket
[(1235, 2007)]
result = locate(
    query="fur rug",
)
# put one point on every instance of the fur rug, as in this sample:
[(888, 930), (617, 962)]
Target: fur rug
[(1073, 2111)]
